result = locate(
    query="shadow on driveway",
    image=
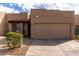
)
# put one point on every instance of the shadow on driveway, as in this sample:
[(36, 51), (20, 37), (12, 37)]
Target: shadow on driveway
[(49, 42)]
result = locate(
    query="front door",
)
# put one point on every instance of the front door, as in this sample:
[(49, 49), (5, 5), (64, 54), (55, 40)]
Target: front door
[(26, 29)]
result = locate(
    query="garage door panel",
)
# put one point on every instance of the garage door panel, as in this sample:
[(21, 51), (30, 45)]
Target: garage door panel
[(52, 31)]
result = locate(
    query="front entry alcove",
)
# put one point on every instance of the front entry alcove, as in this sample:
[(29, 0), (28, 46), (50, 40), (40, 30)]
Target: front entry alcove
[(20, 26)]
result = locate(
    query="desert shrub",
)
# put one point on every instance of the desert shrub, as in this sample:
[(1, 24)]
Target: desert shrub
[(14, 39), (77, 31), (77, 37)]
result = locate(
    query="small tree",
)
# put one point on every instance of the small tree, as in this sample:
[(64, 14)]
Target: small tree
[(14, 39)]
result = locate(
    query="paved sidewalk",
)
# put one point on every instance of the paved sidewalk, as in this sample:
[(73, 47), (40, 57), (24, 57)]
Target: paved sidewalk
[(3, 43), (53, 48)]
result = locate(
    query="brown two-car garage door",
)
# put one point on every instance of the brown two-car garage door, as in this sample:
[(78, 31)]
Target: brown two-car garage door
[(52, 31), (49, 24)]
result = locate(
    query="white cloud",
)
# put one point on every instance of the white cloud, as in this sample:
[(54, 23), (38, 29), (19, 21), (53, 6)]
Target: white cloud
[(39, 1), (54, 1), (22, 5), (61, 6), (12, 10), (8, 10), (70, 6), (65, 6)]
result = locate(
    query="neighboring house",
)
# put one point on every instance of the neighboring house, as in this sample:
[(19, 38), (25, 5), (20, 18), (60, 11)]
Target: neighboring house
[(40, 24), (76, 19)]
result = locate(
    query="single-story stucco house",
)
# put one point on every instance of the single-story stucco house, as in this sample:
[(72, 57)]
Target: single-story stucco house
[(41, 24)]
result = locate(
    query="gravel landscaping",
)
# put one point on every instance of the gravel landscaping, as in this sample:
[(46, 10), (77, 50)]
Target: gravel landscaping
[(4, 50)]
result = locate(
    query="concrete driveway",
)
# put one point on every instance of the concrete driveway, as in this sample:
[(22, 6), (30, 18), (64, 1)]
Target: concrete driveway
[(53, 48)]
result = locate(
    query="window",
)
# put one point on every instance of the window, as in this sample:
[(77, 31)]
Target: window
[(16, 27)]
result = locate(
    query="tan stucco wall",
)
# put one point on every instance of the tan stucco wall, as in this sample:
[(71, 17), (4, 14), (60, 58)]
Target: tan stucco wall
[(4, 18), (2, 23), (76, 21), (41, 17), (51, 17), (17, 17)]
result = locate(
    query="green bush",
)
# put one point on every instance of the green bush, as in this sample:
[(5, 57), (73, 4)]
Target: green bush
[(77, 32), (14, 39), (77, 37)]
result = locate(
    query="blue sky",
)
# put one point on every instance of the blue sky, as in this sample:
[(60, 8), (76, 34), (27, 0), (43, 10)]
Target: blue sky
[(13, 8), (32, 4)]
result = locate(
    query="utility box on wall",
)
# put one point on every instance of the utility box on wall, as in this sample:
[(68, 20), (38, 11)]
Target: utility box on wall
[(52, 24)]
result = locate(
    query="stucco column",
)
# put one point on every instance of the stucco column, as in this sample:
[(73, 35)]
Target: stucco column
[(10, 27), (72, 31), (21, 24)]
